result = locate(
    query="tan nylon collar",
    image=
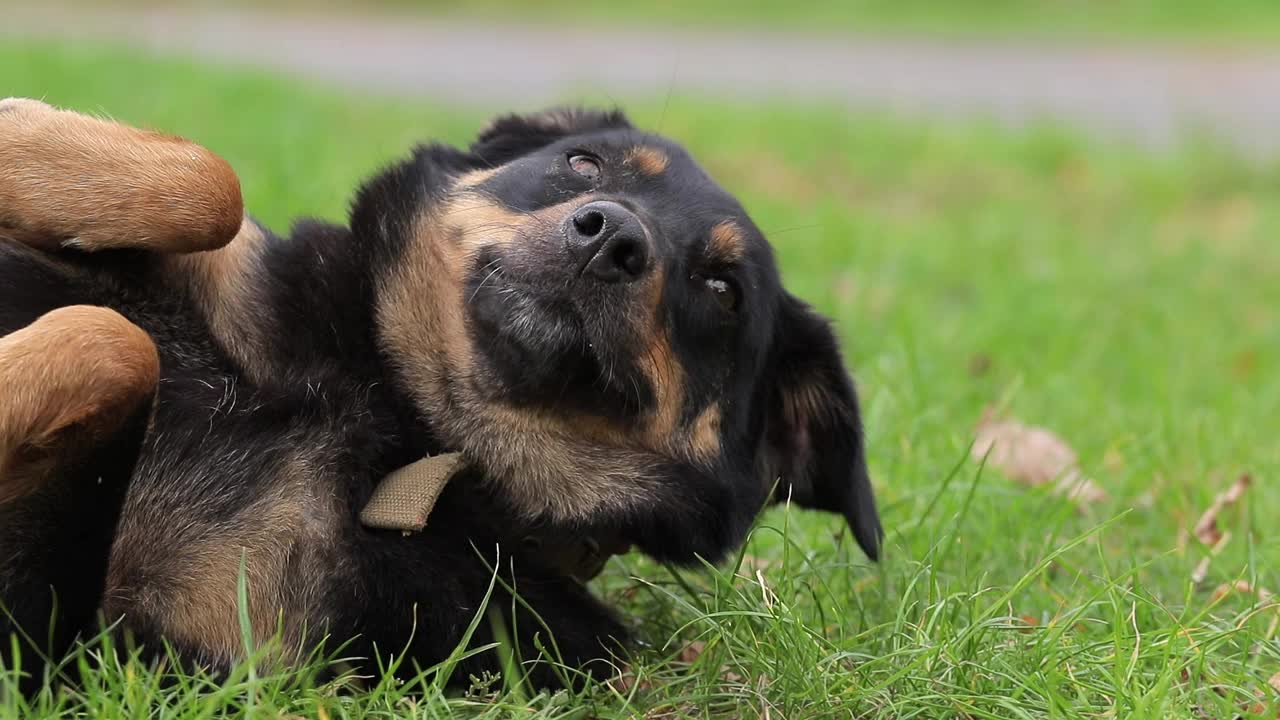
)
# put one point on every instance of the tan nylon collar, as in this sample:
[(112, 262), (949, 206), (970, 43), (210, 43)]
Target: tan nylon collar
[(404, 500)]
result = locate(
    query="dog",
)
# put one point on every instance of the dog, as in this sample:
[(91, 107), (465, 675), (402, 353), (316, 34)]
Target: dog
[(192, 407)]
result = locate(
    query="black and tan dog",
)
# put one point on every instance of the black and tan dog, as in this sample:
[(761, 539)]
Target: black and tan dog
[(571, 304)]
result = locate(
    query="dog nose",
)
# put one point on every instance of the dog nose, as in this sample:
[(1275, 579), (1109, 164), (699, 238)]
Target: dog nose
[(608, 242)]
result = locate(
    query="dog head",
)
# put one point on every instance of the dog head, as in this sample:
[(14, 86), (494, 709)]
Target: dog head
[(601, 329)]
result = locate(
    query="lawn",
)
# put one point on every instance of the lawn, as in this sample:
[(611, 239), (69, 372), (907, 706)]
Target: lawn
[(1157, 19), (1124, 299), (1179, 20)]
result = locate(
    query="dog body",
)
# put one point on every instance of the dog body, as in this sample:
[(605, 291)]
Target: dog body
[(571, 304), (272, 474)]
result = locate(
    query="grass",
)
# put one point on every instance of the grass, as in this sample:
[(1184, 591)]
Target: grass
[(1126, 300), (1170, 19), (1182, 20)]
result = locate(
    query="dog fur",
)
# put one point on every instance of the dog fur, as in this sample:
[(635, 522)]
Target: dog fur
[(238, 394)]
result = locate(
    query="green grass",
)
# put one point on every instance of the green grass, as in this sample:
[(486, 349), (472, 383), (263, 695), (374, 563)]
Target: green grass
[(1181, 20), (1127, 300)]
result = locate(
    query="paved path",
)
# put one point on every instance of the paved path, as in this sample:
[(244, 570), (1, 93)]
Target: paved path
[(1150, 93)]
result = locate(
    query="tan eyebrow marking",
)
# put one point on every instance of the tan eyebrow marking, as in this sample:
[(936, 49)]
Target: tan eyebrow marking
[(726, 241), (476, 177), (648, 160)]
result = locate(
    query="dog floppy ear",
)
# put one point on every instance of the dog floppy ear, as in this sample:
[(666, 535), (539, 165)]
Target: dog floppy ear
[(815, 438), (507, 137)]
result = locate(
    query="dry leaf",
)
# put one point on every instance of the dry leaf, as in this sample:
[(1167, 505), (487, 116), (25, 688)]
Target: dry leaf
[(1031, 455), (691, 652), (1034, 456), (1201, 573), (1242, 586), (1274, 682), (1206, 530), (979, 364), (1026, 623), (1080, 489)]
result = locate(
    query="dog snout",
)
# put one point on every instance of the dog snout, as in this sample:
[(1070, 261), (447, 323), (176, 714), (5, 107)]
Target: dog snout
[(608, 242)]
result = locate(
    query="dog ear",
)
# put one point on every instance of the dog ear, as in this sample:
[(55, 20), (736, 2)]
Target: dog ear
[(814, 437), (388, 203), (507, 137)]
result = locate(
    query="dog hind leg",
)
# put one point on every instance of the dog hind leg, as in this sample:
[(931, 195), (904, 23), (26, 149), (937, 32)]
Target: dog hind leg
[(76, 393), (79, 181)]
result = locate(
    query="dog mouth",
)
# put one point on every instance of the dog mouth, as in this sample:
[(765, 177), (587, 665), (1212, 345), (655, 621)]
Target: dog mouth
[(550, 342)]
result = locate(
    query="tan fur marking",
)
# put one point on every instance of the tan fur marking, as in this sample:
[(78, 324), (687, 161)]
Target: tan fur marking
[(420, 314), (223, 282), (478, 222), (79, 365), (78, 181), (556, 463), (648, 160), (422, 306), (283, 538), (476, 177), (568, 465), (665, 373), (726, 242), (705, 438)]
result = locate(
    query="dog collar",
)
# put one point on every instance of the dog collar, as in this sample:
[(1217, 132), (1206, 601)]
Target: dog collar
[(404, 499)]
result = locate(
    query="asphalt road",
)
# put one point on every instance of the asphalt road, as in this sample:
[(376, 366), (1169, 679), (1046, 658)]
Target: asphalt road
[(1149, 93)]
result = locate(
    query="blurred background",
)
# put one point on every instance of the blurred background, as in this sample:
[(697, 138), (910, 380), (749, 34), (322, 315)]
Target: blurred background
[(1066, 211), (1102, 64)]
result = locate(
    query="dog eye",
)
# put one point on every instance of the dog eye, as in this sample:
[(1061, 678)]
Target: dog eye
[(724, 291), (585, 165)]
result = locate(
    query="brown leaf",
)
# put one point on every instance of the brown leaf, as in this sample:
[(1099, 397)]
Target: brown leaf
[(1079, 489), (1201, 573), (1206, 530), (979, 364), (1034, 456), (691, 652), (1242, 586), (1274, 682)]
